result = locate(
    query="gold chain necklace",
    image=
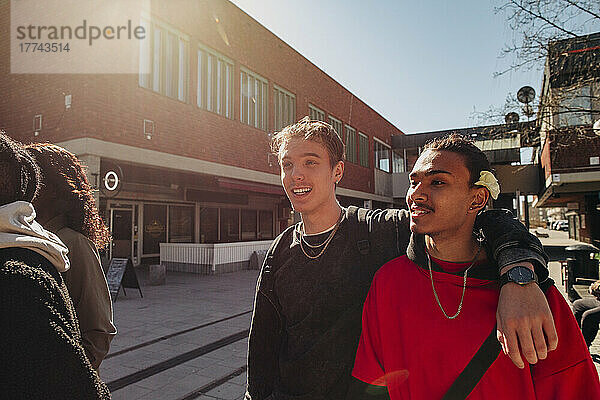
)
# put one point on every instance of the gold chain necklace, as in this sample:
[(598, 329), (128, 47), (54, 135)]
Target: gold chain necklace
[(325, 243), (462, 297)]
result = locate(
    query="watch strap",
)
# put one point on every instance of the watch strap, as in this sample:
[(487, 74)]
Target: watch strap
[(505, 278)]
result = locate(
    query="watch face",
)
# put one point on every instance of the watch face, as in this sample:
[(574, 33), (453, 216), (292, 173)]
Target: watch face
[(520, 275)]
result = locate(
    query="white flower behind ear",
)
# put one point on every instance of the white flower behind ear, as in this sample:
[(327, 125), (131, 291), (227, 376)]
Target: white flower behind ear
[(488, 180)]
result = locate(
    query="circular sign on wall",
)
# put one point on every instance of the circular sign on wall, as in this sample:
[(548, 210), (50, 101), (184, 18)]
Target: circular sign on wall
[(111, 181)]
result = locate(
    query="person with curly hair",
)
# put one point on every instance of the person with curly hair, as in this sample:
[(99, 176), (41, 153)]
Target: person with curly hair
[(66, 206), (40, 341)]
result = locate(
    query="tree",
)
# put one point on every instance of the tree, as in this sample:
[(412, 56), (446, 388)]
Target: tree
[(537, 23), (554, 36)]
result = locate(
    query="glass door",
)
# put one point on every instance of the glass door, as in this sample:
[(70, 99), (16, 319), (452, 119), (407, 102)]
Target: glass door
[(121, 230)]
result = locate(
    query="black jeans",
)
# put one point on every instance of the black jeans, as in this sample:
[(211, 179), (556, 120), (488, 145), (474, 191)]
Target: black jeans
[(587, 314)]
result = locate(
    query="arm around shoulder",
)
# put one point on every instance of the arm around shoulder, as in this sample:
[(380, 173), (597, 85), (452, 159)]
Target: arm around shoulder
[(509, 242)]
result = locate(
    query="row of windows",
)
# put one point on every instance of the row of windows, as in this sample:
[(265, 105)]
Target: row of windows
[(357, 146), (164, 60)]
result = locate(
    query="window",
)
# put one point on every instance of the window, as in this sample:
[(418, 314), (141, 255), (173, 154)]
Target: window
[(398, 160), (351, 144), (155, 224), (209, 225), (215, 82), (181, 224), (285, 108), (230, 225), (363, 149), (253, 99), (337, 125), (575, 107), (249, 223), (382, 156), (411, 156), (265, 224), (164, 60), (315, 114)]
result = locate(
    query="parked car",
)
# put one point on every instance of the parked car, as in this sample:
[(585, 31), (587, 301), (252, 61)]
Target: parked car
[(562, 226)]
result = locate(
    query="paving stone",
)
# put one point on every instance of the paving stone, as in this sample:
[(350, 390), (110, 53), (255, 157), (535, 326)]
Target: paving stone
[(185, 301)]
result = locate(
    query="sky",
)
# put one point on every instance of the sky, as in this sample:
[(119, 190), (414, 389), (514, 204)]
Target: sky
[(424, 65)]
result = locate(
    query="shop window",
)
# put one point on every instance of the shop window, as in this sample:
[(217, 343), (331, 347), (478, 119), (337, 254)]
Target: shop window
[(265, 227), (249, 224), (230, 225), (181, 224), (209, 225), (155, 227)]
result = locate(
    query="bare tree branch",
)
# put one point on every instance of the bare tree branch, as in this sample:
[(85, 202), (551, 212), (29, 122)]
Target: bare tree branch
[(585, 10), (541, 17)]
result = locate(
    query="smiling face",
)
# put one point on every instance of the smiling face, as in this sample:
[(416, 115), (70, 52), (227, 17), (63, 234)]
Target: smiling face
[(440, 198), (308, 177)]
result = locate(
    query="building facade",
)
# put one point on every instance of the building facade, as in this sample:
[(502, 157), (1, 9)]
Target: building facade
[(570, 157), (180, 151)]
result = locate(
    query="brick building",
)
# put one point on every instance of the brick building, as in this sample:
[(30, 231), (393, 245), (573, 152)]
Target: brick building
[(180, 151), (570, 155)]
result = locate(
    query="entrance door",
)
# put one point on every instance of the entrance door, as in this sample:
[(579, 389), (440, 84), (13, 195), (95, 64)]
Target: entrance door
[(121, 225)]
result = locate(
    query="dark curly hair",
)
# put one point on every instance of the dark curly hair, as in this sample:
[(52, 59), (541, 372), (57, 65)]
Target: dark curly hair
[(19, 173), (475, 159), (62, 172)]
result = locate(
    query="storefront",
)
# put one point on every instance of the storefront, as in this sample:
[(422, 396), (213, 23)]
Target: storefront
[(147, 207)]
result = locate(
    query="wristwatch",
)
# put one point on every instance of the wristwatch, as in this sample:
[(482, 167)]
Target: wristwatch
[(519, 274)]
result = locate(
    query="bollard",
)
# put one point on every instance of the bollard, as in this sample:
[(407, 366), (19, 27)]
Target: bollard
[(157, 274)]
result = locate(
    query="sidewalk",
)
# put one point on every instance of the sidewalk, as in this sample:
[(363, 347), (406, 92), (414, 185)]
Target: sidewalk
[(190, 312)]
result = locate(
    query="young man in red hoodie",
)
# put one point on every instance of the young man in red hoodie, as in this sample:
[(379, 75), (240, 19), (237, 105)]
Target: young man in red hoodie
[(429, 312)]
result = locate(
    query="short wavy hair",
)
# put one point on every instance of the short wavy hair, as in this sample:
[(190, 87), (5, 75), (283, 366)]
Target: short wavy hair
[(317, 131), (63, 172)]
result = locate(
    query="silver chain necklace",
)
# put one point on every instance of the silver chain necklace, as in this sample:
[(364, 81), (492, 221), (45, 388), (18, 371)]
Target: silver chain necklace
[(314, 246), (462, 297), (325, 244)]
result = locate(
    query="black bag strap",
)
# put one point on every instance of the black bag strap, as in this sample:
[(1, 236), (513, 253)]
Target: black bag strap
[(271, 265), (357, 217), (475, 369)]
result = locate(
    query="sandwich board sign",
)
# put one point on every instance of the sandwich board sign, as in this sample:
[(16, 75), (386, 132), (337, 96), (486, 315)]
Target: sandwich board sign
[(121, 273)]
